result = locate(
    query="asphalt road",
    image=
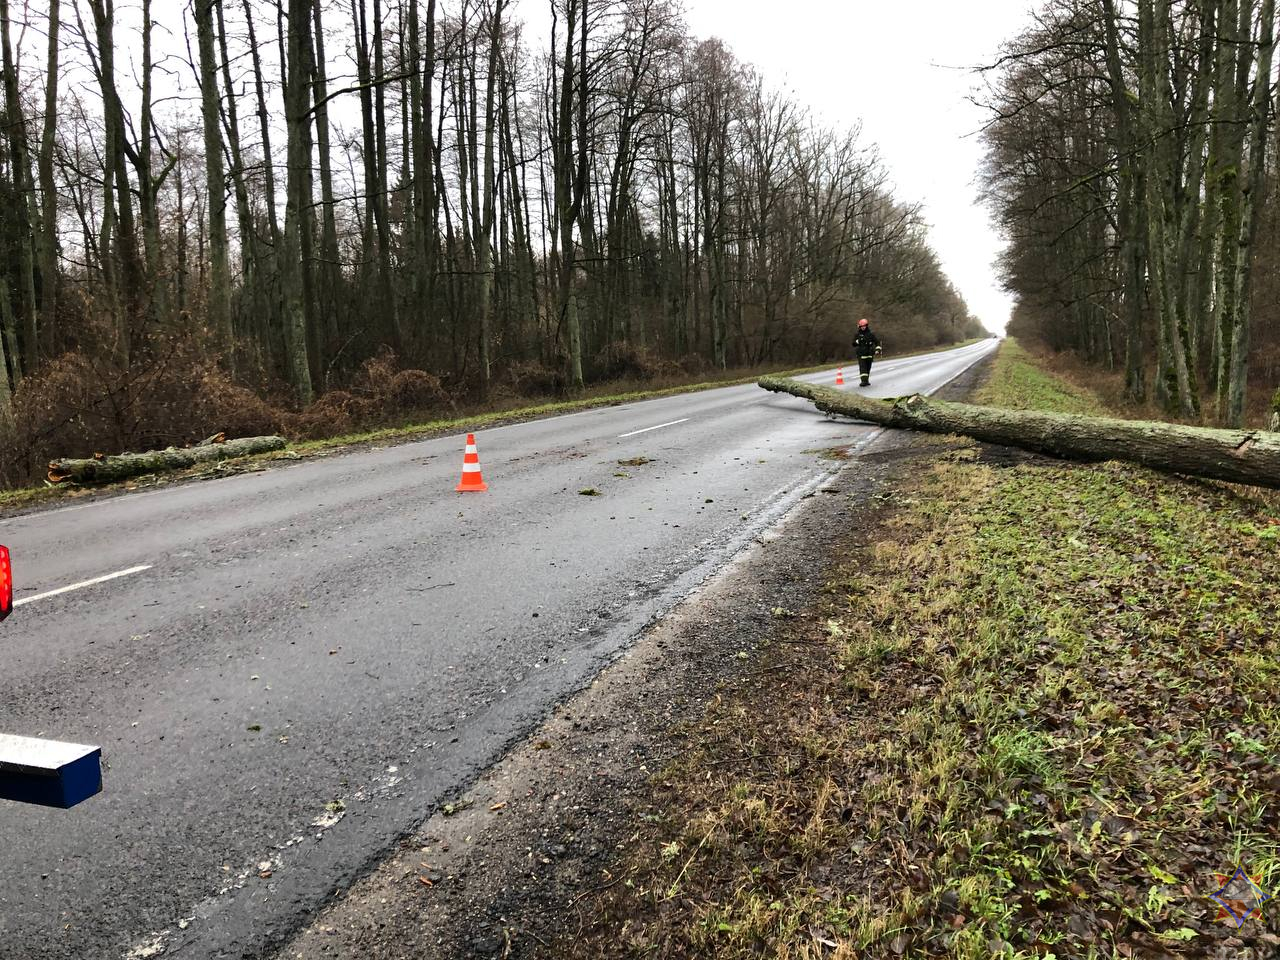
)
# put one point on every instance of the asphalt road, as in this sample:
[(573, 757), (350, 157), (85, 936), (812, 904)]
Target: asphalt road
[(315, 657)]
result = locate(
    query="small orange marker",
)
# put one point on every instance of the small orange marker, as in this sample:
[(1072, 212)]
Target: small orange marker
[(472, 480), (840, 376)]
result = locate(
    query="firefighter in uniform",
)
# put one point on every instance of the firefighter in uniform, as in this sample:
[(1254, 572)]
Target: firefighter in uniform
[(866, 345)]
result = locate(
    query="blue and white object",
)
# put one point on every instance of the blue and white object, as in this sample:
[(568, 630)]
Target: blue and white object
[(48, 772)]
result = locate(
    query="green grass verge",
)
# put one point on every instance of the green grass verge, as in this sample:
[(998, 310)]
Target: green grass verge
[(1035, 717), (28, 497), (1018, 383)]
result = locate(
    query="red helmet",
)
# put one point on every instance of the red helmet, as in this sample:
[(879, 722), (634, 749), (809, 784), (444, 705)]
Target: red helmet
[(863, 322)]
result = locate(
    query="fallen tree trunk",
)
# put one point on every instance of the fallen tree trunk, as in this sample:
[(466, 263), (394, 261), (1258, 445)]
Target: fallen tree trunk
[(1238, 456), (103, 469)]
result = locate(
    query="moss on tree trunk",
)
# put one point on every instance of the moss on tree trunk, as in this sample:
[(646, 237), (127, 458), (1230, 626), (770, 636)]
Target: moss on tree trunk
[(1238, 456), (111, 469)]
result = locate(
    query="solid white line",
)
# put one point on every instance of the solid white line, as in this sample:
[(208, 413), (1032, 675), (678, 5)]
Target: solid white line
[(82, 584), (671, 423)]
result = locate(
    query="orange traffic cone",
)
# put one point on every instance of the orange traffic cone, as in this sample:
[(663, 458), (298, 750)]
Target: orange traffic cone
[(471, 478), (840, 376)]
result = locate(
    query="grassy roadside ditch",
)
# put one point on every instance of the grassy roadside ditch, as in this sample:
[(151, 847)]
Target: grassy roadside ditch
[(1035, 716), (602, 396)]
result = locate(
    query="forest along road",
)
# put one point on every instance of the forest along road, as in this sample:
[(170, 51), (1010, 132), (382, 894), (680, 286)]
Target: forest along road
[(304, 663)]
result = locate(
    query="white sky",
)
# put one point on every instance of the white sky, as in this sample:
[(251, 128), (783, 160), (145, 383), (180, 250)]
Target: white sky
[(901, 67)]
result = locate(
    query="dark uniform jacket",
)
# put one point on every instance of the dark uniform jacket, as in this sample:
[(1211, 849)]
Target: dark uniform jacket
[(866, 343)]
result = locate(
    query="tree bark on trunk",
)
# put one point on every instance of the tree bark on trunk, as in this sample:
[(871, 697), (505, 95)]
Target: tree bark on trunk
[(126, 465), (215, 183), (118, 246), (329, 268), (264, 126), (295, 257), (570, 168), (1237, 456), (48, 189), (20, 169), (6, 393), (1231, 72), (484, 230), (1251, 204), (1162, 246)]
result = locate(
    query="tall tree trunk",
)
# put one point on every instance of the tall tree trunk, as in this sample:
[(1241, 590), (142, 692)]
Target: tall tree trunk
[(484, 258), (526, 294), (382, 211), (417, 152), (6, 392), (152, 298), (250, 255), (329, 269), (376, 234), (295, 262), (570, 168), (215, 183), (429, 216), (119, 245), (264, 126), (1251, 202), (20, 168), (1192, 184), (1161, 218), (1229, 105), (48, 189)]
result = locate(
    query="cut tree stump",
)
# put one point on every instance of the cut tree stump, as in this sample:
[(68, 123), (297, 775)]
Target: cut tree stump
[(104, 469), (1238, 456)]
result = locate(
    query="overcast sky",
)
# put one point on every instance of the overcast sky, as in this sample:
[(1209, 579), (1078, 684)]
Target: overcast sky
[(903, 68)]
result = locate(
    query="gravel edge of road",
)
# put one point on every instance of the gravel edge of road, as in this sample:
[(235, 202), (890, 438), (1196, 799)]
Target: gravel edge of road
[(495, 873)]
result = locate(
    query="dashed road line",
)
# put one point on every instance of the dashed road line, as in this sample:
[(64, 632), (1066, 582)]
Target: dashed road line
[(670, 423), (82, 584)]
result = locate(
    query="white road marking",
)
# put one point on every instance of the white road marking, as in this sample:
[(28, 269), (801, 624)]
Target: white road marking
[(671, 423), (82, 584)]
